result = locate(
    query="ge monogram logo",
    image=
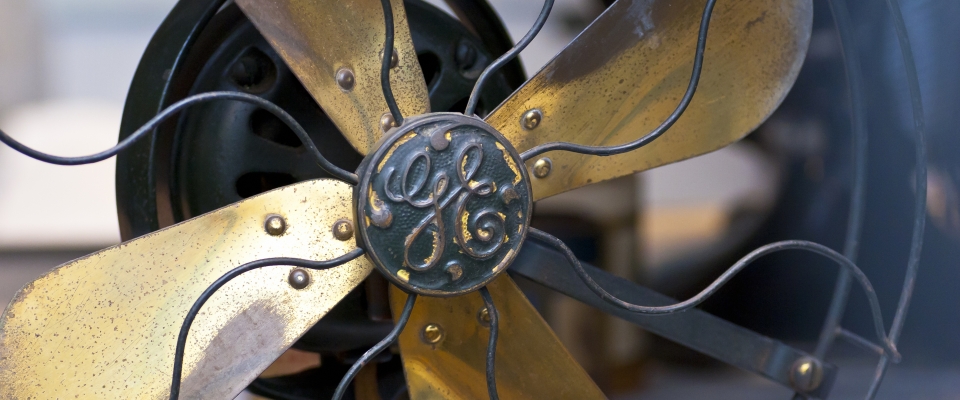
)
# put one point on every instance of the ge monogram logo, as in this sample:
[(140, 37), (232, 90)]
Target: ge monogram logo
[(443, 204)]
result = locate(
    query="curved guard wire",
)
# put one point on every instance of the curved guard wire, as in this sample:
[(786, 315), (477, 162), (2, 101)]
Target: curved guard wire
[(172, 110), (492, 343), (841, 291), (920, 202), (376, 350), (471, 108), (831, 328), (857, 274), (223, 280), (659, 130), (387, 60)]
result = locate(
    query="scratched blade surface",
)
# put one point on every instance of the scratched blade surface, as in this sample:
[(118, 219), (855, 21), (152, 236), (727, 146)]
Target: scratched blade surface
[(530, 362), (626, 73), (105, 326), (317, 38)]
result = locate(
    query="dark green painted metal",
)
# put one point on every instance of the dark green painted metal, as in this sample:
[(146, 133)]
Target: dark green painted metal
[(443, 204)]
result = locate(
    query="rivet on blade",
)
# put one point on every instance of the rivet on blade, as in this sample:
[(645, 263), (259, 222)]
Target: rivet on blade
[(345, 79), (531, 119), (394, 59), (275, 225), (542, 168), (387, 122), (343, 230), (484, 317), (432, 334), (299, 279)]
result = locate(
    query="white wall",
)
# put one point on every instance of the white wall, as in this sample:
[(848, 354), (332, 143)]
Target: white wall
[(65, 68)]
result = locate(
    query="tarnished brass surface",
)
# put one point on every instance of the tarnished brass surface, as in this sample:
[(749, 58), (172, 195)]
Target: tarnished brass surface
[(531, 362), (626, 73), (105, 326), (318, 38)]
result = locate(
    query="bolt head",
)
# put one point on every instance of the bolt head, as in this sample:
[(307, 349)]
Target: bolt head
[(275, 225), (343, 230), (542, 168), (432, 334), (299, 279), (806, 375), (387, 122), (483, 316), (531, 119), (345, 79)]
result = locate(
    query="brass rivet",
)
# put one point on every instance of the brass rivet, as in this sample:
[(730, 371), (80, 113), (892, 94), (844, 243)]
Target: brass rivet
[(275, 225), (343, 230), (394, 59), (531, 119), (299, 279), (432, 334), (484, 317), (541, 168), (345, 79), (806, 375), (381, 216), (387, 122)]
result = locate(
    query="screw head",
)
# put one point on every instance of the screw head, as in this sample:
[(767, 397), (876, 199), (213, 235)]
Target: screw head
[(542, 168), (387, 122), (345, 79), (807, 374), (483, 316), (394, 58), (531, 119), (275, 225), (299, 279), (343, 230), (432, 334)]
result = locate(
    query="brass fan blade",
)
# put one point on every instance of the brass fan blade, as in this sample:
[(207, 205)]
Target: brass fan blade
[(318, 38), (628, 70), (530, 361), (105, 326)]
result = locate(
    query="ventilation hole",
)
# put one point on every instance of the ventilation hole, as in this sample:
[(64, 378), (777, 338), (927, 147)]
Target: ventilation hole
[(254, 183), (461, 106), (268, 126), (254, 71), (430, 64)]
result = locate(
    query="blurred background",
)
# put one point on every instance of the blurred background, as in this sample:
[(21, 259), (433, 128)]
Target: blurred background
[(66, 68)]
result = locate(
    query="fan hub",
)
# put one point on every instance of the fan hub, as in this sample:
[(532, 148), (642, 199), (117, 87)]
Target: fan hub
[(443, 204)]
